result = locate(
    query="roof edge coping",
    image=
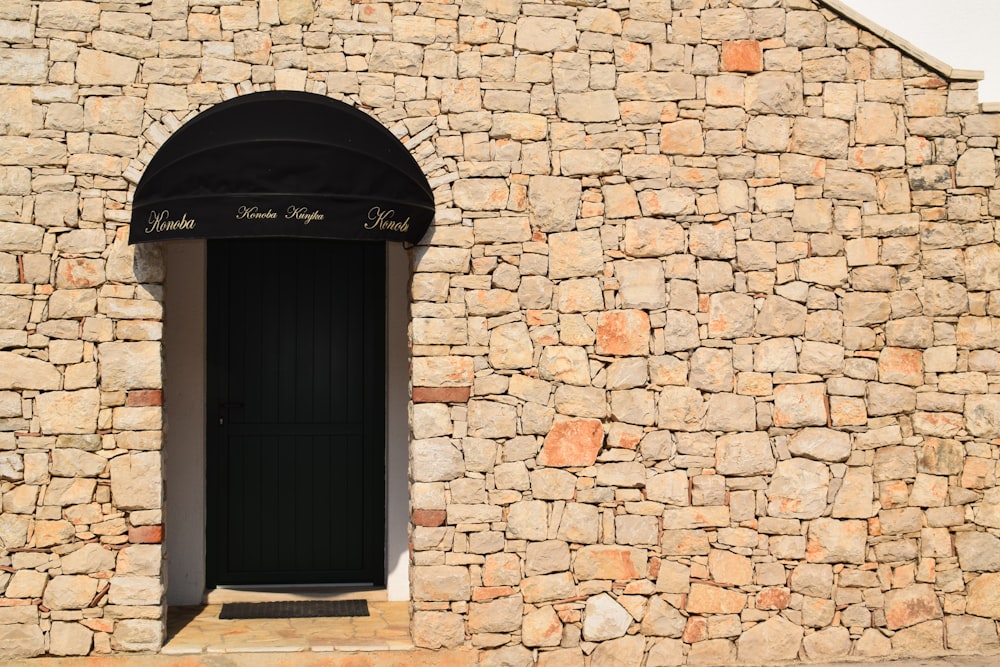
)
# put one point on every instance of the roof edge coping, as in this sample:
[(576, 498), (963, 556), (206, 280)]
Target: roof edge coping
[(907, 47)]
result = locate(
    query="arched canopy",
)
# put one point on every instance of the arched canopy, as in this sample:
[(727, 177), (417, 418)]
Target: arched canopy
[(282, 163)]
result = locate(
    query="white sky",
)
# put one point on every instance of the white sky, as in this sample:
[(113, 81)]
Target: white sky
[(962, 33)]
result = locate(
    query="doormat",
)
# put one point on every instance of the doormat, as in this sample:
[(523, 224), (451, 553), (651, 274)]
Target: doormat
[(303, 609)]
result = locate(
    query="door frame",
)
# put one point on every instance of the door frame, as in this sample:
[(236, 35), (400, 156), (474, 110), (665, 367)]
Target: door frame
[(184, 407), (373, 290)]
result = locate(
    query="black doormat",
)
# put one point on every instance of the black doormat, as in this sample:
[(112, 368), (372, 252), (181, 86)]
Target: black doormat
[(304, 609)]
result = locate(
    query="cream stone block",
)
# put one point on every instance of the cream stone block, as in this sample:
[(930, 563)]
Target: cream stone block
[(68, 411), (99, 68), (537, 34), (137, 480), (656, 86)]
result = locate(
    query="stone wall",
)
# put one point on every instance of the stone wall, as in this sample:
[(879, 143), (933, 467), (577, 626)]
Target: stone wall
[(703, 336)]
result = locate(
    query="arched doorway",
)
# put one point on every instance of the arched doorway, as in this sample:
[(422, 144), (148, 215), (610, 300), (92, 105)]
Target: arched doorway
[(325, 179)]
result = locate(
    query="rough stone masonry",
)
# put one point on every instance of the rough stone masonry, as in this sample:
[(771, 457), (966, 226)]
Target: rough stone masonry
[(704, 335)]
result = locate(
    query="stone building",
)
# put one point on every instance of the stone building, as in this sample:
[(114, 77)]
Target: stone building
[(696, 363)]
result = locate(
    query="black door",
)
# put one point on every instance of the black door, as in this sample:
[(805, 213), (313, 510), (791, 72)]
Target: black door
[(296, 391)]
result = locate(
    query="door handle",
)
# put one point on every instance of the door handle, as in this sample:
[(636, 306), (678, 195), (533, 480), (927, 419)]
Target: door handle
[(224, 410)]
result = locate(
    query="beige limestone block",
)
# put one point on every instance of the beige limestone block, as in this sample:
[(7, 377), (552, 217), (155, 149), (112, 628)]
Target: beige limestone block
[(712, 241), (821, 444), (217, 70), (777, 93), (744, 454), (641, 283), (705, 599), (23, 66), (911, 605), (653, 238), (440, 583), (132, 590), (610, 562), (724, 91), (68, 411), (511, 346), (137, 635), (599, 106), (662, 620), (69, 592), (113, 115), (982, 415), (798, 405), (604, 618), (536, 34), (850, 185), (730, 315), (564, 363), (99, 68), (434, 629), (820, 137), (573, 254), (69, 639), (798, 489), (877, 123), (137, 480), (780, 317), (620, 201), (667, 202), (296, 11), (30, 152), (683, 137), (490, 419), (833, 541), (16, 117), (580, 401), (965, 631), (768, 134), (553, 203), (977, 166), (519, 126), (500, 615), (656, 86), (21, 640), (590, 162), (17, 372), (481, 194), (130, 365), (541, 627), (776, 639), (578, 296)]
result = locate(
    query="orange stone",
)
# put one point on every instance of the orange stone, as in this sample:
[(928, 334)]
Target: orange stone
[(773, 598), (146, 534), (705, 599), (742, 56), (144, 397), (574, 442), (623, 332), (441, 394), (696, 630), (610, 562), (901, 365), (429, 518)]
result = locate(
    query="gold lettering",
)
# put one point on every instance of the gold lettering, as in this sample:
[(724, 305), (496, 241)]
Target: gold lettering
[(381, 220), (304, 214), (159, 221), (254, 213)]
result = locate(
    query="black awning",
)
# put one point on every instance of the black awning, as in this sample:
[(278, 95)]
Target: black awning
[(282, 163)]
